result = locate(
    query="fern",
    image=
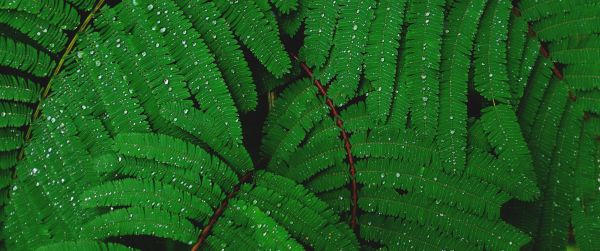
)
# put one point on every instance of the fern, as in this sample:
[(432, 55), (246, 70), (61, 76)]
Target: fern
[(553, 98), (120, 127), (409, 124)]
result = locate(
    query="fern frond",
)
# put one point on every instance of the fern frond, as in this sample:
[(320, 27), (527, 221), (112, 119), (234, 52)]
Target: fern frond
[(491, 234), (120, 140), (517, 43), (456, 52), (425, 124), (304, 211), (140, 221), (586, 209), (423, 45), (252, 27), (576, 50), (346, 59), (488, 168), (500, 124), (381, 55), (491, 79), (13, 88), (131, 192), (534, 94), (182, 154), (10, 139), (535, 10), (48, 35), (321, 22), (430, 183), (24, 57), (285, 6), (557, 27), (14, 115), (556, 209), (228, 55), (530, 58), (84, 245), (407, 235)]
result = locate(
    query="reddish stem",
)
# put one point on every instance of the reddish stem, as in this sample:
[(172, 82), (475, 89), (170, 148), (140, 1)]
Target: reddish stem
[(344, 135), (545, 52), (206, 231)]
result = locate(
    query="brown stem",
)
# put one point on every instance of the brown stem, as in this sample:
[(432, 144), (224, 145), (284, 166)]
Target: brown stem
[(344, 135), (545, 52), (219, 211)]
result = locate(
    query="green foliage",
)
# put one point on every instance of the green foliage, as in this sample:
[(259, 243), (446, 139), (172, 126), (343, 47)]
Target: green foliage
[(425, 124), (33, 35), (125, 111), (558, 113)]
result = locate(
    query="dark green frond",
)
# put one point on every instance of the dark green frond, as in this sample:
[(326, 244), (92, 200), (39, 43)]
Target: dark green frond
[(84, 245)]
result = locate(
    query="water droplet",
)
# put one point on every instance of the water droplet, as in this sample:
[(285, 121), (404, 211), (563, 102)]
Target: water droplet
[(150, 7), (355, 27)]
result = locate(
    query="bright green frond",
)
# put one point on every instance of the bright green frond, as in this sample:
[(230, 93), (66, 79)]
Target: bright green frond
[(140, 221), (423, 45), (381, 55), (456, 54), (253, 29)]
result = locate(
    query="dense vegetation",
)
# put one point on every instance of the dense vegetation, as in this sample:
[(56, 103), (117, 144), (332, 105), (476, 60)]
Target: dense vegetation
[(300, 124)]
